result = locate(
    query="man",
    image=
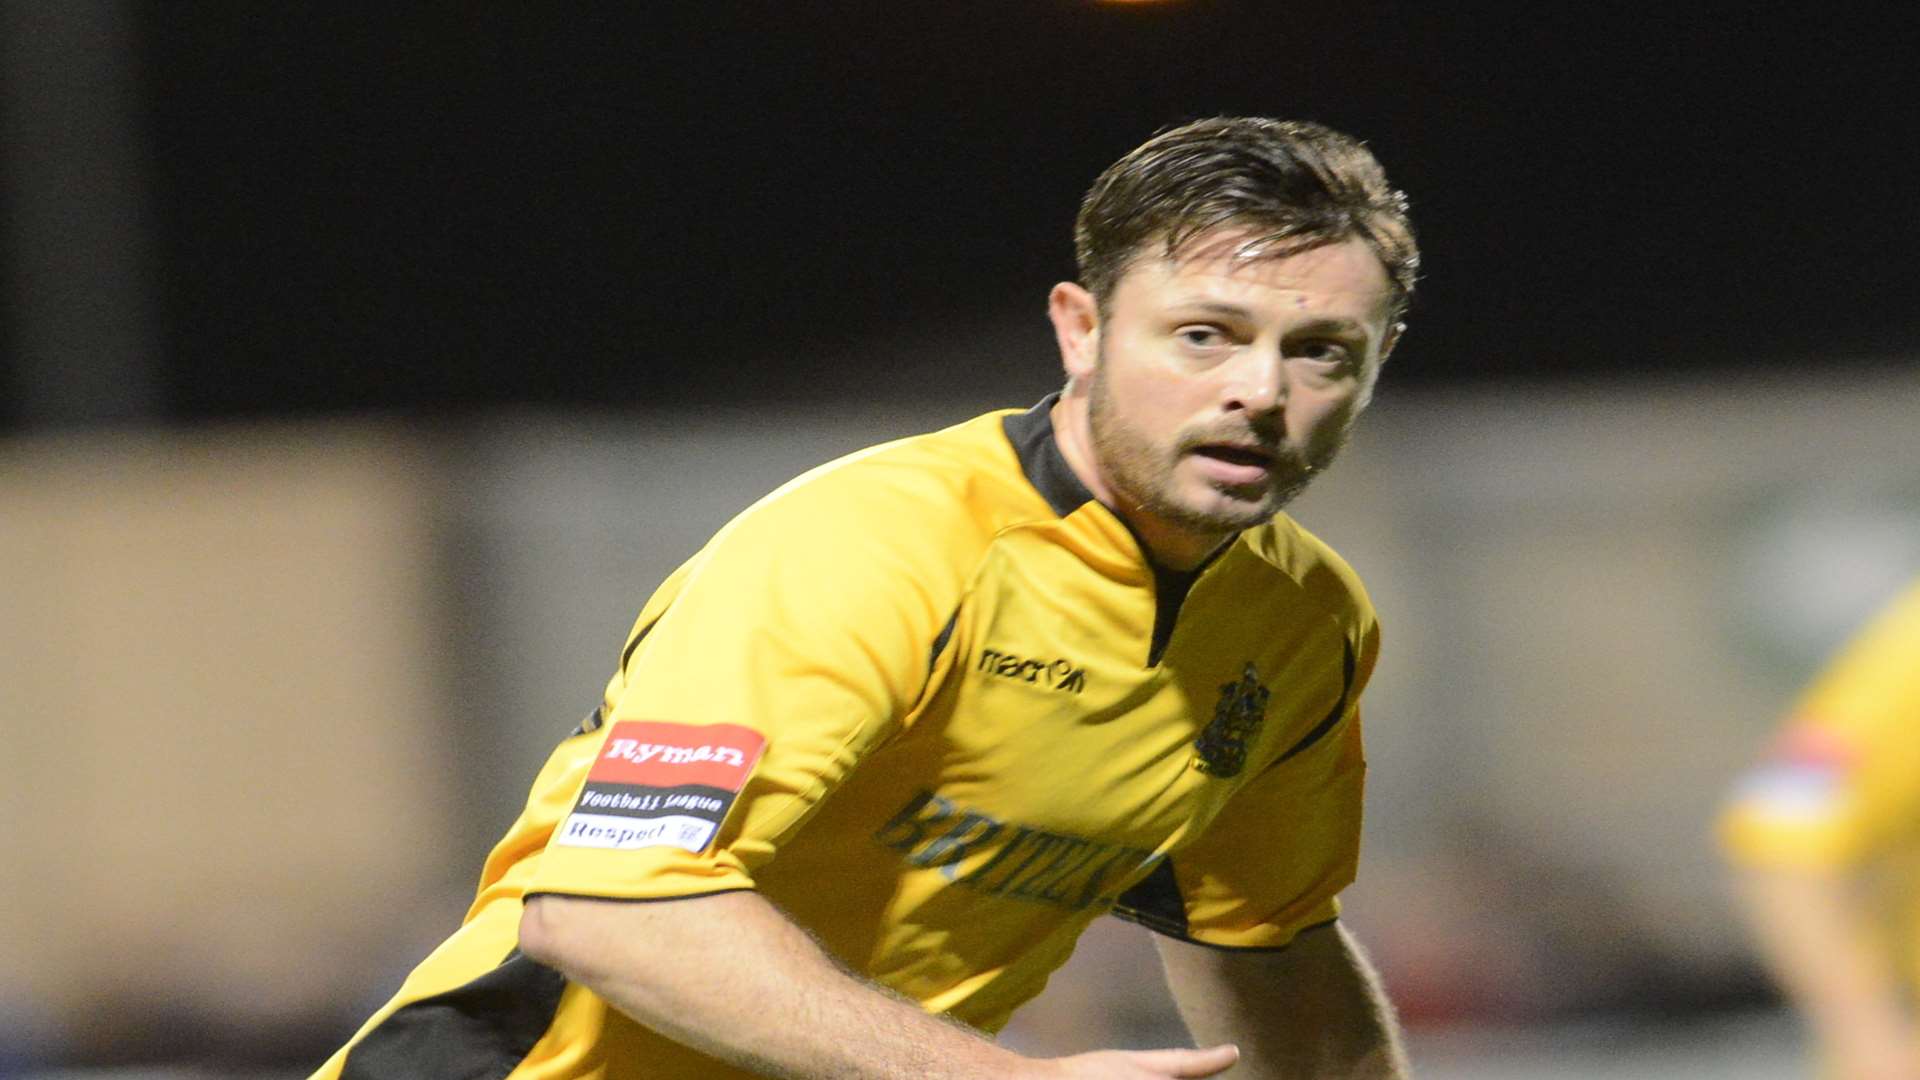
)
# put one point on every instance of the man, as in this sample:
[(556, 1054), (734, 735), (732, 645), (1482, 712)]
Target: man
[(875, 756), (1825, 839)]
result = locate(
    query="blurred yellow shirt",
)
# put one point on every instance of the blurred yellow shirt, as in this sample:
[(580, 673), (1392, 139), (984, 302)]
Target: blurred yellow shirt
[(1841, 783), (1840, 787), (933, 702)]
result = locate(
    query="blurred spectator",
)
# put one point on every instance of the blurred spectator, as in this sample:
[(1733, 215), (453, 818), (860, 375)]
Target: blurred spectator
[(1824, 840)]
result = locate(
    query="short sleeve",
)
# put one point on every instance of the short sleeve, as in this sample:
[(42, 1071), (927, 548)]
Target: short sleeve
[(796, 643), (1842, 781), (1275, 859)]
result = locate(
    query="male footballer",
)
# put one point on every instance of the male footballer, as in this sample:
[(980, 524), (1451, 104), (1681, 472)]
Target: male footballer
[(1824, 839), (875, 756)]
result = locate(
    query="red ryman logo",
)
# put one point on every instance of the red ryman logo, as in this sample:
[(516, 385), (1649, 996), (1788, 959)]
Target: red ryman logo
[(656, 754)]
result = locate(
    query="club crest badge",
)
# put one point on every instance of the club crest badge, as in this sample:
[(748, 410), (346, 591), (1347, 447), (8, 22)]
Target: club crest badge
[(1222, 747)]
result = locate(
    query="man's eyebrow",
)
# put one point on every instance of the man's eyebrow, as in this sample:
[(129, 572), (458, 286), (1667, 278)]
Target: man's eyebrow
[(1325, 324), (1333, 325), (1212, 307)]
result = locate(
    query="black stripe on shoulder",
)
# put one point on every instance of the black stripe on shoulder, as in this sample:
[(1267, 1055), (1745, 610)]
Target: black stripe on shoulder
[(940, 643), (599, 716), (1155, 903), (1031, 434), (626, 654), (1333, 718), (481, 1031)]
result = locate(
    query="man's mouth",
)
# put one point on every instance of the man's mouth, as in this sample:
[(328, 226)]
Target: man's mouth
[(1236, 464), (1238, 454)]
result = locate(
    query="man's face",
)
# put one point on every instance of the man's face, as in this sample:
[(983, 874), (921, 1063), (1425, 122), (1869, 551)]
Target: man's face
[(1222, 382)]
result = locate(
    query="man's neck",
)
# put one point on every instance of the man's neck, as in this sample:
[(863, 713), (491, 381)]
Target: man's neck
[(1166, 545)]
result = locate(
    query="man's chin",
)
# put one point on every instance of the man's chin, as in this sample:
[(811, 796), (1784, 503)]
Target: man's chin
[(1254, 502), (1231, 511)]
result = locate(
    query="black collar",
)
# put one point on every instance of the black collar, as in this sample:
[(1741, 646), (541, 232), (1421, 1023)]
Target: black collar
[(1031, 434)]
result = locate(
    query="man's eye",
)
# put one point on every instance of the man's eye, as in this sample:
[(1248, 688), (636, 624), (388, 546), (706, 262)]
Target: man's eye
[(1201, 336), (1330, 352)]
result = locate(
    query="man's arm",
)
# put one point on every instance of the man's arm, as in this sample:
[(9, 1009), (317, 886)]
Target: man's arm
[(1814, 933), (1312, 1010), (732, 977)]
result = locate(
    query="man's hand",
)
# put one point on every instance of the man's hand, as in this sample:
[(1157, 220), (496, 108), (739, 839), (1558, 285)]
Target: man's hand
[(1147, 1064)]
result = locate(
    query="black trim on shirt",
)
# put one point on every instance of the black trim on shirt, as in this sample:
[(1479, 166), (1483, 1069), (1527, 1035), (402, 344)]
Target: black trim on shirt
[(1155, 902), (626, 654), (641, 899), (1217, 947), (1031, 434), (1170, 588), (1349, 663), (940, 643), (591, 724), (480, 1031)]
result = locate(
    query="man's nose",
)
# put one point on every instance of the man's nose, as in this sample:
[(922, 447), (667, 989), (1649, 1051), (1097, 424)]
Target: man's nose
[(1257, 384)]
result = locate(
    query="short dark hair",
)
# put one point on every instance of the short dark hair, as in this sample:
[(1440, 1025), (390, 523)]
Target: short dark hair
[(1295, 184)]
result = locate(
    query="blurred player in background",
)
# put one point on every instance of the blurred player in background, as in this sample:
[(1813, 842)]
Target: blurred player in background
[(1825, 837), (900, 731)]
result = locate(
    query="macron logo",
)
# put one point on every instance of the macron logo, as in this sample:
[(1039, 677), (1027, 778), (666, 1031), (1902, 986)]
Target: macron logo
[(1061, 674)]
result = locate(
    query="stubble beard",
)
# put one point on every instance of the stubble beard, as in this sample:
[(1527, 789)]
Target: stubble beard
[(1142, 474)]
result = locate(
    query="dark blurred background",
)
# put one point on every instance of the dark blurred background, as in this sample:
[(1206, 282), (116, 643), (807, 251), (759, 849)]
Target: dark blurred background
[(363, 367), (431, 207)]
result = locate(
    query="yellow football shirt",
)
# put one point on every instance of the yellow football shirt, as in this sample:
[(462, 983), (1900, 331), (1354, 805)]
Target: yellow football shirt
[(1842, 782), (1840, 788), (933, 702)]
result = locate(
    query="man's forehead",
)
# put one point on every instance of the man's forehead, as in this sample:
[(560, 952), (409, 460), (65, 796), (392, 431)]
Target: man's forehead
[(1231, 263)]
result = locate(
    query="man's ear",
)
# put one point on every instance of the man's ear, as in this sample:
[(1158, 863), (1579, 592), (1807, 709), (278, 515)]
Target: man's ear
[(1076, 327), (1387, 343), (1394, 330)]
